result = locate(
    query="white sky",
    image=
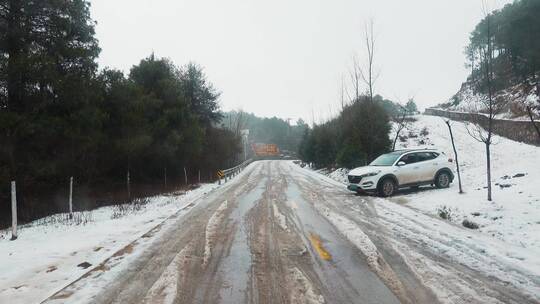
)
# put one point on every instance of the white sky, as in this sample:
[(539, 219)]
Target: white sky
[(287, 57)]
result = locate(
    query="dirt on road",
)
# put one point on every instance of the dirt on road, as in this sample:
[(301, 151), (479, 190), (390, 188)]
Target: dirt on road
[(273, 235)]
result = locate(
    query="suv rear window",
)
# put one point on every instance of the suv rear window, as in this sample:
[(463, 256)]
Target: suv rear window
[(409, 158), (424, 156)]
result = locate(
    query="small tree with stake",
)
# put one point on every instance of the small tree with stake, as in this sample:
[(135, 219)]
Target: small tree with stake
[(400, 122), (484, 111), (531, 117), (455, 155)]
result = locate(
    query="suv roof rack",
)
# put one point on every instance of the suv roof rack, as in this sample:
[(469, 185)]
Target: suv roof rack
[(413, 149)]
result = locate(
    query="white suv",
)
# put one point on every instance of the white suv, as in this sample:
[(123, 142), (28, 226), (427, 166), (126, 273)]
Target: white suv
[(401, 169)]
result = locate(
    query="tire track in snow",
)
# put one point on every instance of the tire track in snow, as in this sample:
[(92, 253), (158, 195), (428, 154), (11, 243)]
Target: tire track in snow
[(165, 289), (212, 229), (356, 236)]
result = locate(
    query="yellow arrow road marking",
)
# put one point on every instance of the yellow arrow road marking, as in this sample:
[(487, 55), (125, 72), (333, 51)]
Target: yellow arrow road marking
[(319, 247)]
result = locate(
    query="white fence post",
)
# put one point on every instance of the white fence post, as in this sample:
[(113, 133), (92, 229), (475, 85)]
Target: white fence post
[(71, 197), (199, 176), (13, 210), (185, 175)]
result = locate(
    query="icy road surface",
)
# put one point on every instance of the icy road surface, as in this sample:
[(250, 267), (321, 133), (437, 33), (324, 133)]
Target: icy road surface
[(280, 234)]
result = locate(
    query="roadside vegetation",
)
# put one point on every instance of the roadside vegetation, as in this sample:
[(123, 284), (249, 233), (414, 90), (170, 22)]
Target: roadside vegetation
[(503, 55), (274, 130), (360, 132), (60, 116), (354, 138)]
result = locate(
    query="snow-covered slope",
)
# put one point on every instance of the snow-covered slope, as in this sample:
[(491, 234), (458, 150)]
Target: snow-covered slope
[(515, 98), (514, 214)]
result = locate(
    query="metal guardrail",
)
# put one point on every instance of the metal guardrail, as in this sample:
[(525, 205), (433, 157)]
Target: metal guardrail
[(228, 174)]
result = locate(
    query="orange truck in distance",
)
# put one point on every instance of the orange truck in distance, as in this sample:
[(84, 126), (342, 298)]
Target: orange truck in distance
[(265, 149)]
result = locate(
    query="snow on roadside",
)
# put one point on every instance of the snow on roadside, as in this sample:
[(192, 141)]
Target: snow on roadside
[(514, 214), (467, 247), (340, 175), (471, 248), (45, 258)]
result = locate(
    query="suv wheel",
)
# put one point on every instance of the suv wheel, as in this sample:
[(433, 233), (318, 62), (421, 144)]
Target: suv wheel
[(387, 188), (442, 180)]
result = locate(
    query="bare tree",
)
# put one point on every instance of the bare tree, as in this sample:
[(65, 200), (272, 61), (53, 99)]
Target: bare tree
[(356, 75), (364, 72), (455, 155), (342, 94), (531, 117), (484, 111), (400, 122), (368, 75), (239, 123)]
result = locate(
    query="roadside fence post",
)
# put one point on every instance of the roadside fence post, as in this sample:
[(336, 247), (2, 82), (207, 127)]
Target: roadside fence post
[(199, 176), (71, 197), (13, 211)]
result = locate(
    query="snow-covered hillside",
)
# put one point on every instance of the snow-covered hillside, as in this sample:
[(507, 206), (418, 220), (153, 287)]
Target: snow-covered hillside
[(516, 102), (514, 214)]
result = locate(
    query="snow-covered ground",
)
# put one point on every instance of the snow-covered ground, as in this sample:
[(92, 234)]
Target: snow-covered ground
[(467, 100), (477, 250), (47, 257), (514, 214)]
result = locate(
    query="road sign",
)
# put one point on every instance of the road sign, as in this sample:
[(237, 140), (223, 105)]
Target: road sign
[(220, 174)]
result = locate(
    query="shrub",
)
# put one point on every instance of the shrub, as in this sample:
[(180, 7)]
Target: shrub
[(131, 207), (446, 213), (469, 224), (78, 218)]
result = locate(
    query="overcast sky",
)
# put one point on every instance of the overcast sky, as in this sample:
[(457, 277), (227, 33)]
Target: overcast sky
[(286, 58)]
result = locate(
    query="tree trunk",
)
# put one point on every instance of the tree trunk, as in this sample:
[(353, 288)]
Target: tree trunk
[(15, 48), (455, 156), (165, 176), (395, 140), (488, 158), (533, 122), (14, 79), (128, 185)]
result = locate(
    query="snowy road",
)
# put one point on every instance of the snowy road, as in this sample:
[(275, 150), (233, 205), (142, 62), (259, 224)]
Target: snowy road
[(278, 233)]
